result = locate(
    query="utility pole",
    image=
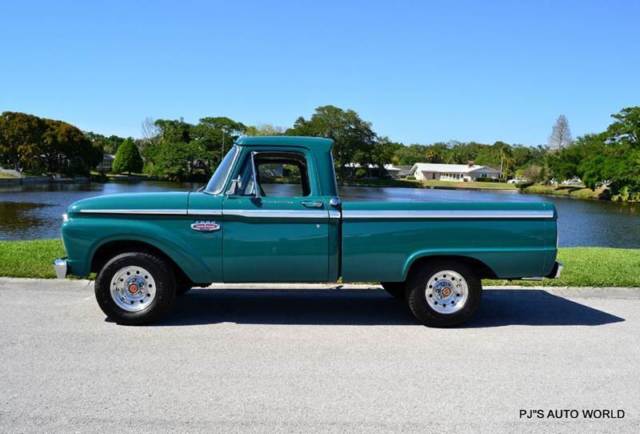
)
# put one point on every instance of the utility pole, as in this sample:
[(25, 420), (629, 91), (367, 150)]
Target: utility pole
[(222, 153)]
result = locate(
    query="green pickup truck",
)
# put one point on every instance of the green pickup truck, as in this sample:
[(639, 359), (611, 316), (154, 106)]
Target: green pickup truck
[(271, 213)]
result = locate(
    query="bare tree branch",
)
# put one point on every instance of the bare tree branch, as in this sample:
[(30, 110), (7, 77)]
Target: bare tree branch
[(560, 134)]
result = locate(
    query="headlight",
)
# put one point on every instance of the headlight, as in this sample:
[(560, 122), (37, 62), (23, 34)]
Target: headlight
[(65, 218)]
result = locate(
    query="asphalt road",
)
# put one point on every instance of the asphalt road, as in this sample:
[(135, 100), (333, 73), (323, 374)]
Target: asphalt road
[(284, 359)]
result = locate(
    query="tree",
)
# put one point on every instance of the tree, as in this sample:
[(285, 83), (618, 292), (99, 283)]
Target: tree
[(201, 145), (150, 130), (437, 153), (217, 134), (128, 158), (174, 131), (564, 163), (177, 161), (560, 134), (587, 160), (609, 158), (622, 149), (109, 145), (505, 156), (20, 140), (383, 151), (66, 149), (353, 137), (533, 173), (38, 145), (626, 128), (409, 155), (264, 130)]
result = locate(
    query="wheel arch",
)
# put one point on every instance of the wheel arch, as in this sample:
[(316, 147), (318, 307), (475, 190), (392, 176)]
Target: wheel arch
[(111, 248), (483, 270)]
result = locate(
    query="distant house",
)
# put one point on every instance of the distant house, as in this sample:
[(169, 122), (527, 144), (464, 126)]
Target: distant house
[(575, 182), (375, 171), (106, 163), (397, 171), (453, 172)]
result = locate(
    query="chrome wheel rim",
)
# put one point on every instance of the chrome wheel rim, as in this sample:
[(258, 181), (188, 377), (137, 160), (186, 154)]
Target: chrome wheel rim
[(132, 288), (446, 292)]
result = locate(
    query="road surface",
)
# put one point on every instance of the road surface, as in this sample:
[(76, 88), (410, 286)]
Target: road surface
[(312, 358)]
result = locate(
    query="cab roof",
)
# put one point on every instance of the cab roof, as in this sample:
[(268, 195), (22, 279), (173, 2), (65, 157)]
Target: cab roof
[(313, 143)]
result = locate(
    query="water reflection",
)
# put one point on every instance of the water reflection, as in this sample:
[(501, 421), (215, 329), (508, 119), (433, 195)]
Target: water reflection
[(16, 217)]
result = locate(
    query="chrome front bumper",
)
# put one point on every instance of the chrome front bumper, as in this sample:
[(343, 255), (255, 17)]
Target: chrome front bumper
[(60, 265), (556, 270)]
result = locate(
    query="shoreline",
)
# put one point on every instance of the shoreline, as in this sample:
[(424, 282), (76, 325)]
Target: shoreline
[(568, 192), (29, 180), (574, 192)]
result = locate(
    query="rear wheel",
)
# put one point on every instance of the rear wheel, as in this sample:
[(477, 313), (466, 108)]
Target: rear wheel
[(135, 288), (396, 289), (444, 294)]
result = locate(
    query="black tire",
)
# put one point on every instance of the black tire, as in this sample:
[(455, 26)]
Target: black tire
[(395, 289), (183, 284), (182, 289), (426, 314), (165, 288)]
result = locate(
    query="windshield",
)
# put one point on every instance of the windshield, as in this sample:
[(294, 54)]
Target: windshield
[(216, 183)]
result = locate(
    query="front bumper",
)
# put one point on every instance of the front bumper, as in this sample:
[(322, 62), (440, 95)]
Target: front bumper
[(61, 268), (555, 271)]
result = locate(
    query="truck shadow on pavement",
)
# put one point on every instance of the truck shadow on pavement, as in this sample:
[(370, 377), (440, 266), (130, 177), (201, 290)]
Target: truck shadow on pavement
[(371, 307)]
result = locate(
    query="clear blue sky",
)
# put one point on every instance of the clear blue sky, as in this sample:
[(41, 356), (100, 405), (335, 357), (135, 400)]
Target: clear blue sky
[(419, 71)]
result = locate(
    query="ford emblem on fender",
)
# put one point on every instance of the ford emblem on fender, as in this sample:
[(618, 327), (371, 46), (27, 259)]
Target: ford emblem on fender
[(205, 226)]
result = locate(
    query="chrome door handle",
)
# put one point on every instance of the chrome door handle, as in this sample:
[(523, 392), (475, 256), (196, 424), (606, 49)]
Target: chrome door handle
[(312, 204)]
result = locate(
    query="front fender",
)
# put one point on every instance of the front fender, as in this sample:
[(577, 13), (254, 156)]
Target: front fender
[(84, 236)]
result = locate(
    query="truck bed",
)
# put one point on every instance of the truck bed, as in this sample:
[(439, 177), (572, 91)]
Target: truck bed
[(381, 240)]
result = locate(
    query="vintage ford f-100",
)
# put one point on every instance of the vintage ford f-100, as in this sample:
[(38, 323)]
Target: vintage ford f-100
[(271, 213)]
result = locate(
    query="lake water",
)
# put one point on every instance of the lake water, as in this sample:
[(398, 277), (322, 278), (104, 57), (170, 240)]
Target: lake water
[(34, 211)]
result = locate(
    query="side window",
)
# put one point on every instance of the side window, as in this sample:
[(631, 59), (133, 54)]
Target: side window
[(279, 175)]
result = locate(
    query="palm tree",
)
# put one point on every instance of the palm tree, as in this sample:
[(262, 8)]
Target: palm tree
[(506, 157)]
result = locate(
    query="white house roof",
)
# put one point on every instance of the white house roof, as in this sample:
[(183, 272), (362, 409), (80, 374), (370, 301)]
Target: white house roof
[(450, 168), (394, 167)]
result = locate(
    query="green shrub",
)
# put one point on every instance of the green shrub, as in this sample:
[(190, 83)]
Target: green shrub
[(128, 158)]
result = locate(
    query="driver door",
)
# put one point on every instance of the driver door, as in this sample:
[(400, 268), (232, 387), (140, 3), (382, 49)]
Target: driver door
[(275, 229)]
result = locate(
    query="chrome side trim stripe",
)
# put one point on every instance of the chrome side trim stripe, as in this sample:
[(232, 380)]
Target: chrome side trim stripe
[(267, 213), (204, 212), (447, 214), (348, 214), (136, 211), (333, 214), (310, 214)]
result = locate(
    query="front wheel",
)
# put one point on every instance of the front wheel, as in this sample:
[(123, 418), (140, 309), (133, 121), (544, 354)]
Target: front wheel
[(444, 294), (135, 288)]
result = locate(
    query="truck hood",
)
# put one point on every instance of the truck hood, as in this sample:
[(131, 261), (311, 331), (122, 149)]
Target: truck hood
[(169, 202)]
